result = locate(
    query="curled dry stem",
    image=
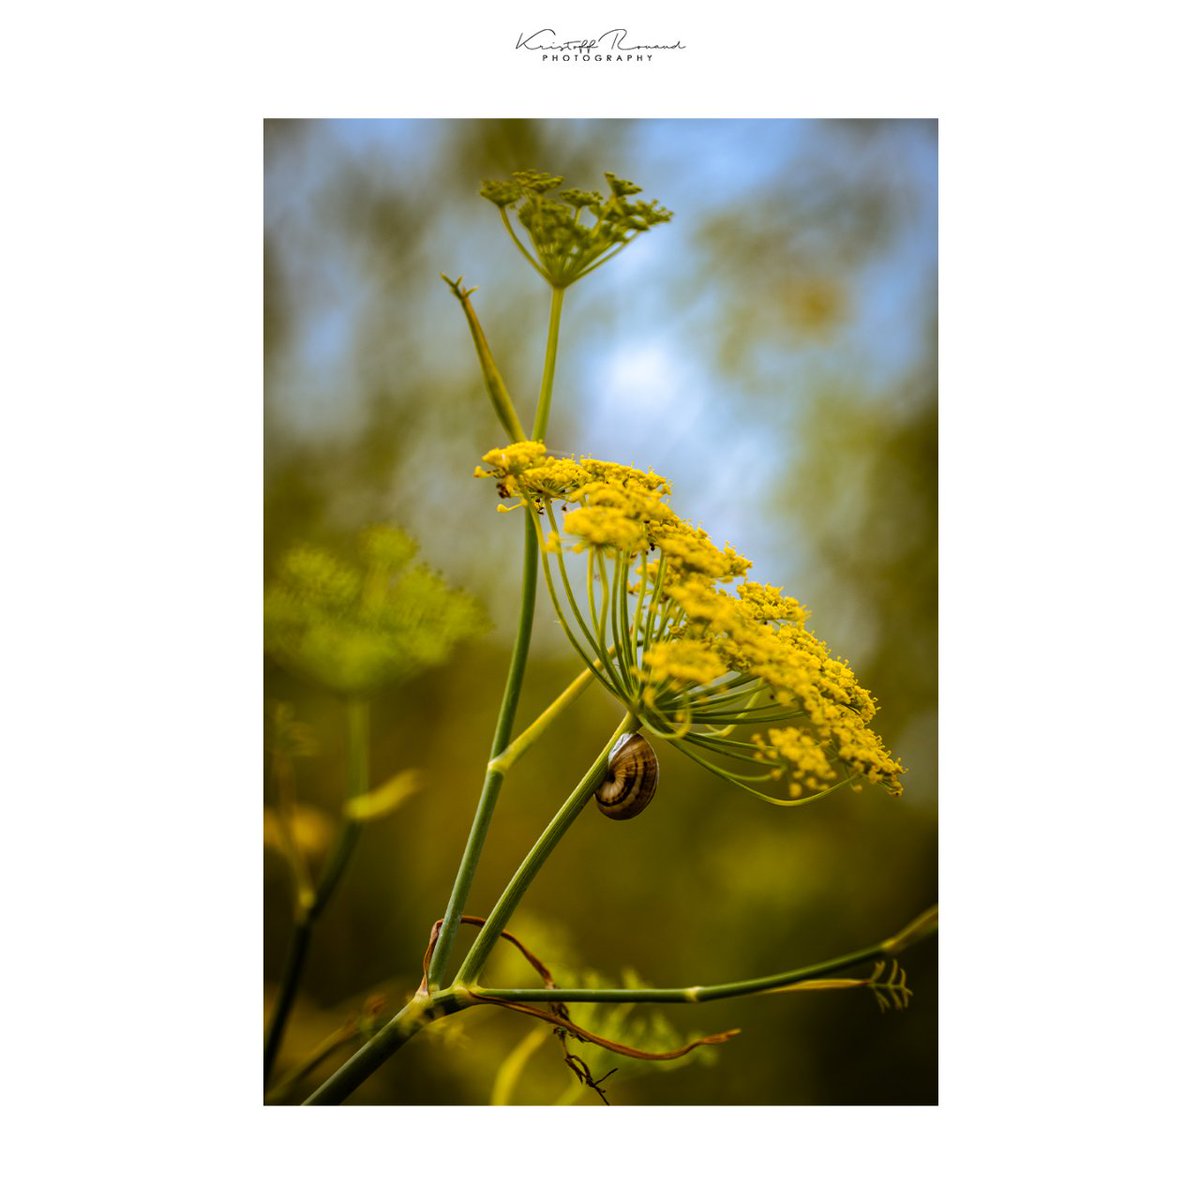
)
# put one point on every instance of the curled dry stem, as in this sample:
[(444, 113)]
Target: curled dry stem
[(616, 1047), (557, 1014), (531, 958)]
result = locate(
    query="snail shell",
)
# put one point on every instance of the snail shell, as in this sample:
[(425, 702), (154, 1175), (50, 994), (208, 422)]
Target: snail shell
[(631, 780)]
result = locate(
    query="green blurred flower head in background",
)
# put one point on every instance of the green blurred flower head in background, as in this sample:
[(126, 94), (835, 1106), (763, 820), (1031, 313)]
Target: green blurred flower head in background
[(357, 627), (567, 247)]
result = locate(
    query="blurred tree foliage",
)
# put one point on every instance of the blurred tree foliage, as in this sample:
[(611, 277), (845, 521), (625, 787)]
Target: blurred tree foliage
[(774, 355)]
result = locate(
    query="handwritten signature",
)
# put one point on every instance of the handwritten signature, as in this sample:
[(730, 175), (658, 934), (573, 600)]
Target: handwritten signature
[(617, 42)]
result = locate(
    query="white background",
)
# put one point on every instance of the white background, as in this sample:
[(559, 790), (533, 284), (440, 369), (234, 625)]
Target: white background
[(132, 403)]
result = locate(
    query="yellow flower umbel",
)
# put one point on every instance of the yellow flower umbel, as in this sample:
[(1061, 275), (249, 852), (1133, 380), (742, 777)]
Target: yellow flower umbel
[(694, 661)]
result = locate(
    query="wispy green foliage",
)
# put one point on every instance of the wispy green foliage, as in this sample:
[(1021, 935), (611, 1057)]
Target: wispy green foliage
[(639, 1025), (566, 246), (357, 627)]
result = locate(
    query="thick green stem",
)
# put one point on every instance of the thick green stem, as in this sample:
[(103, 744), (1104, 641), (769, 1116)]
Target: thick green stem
[(410, 1020), (542, 417), (526, 872), (358, 754), (720, 991), (494, 778), (424, 1008)]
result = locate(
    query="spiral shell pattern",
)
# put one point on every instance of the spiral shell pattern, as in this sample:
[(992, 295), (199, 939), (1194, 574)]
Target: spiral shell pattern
[(631, 780)]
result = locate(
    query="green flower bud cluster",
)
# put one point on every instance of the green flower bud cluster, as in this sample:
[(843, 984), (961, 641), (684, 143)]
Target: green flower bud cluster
[(567, 245), (357, 627)]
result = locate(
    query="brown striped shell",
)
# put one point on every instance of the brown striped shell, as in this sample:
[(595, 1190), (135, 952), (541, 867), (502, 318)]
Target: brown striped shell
[(631, 780)]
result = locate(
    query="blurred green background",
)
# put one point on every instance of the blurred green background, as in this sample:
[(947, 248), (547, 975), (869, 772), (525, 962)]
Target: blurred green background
[(772, 351)]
